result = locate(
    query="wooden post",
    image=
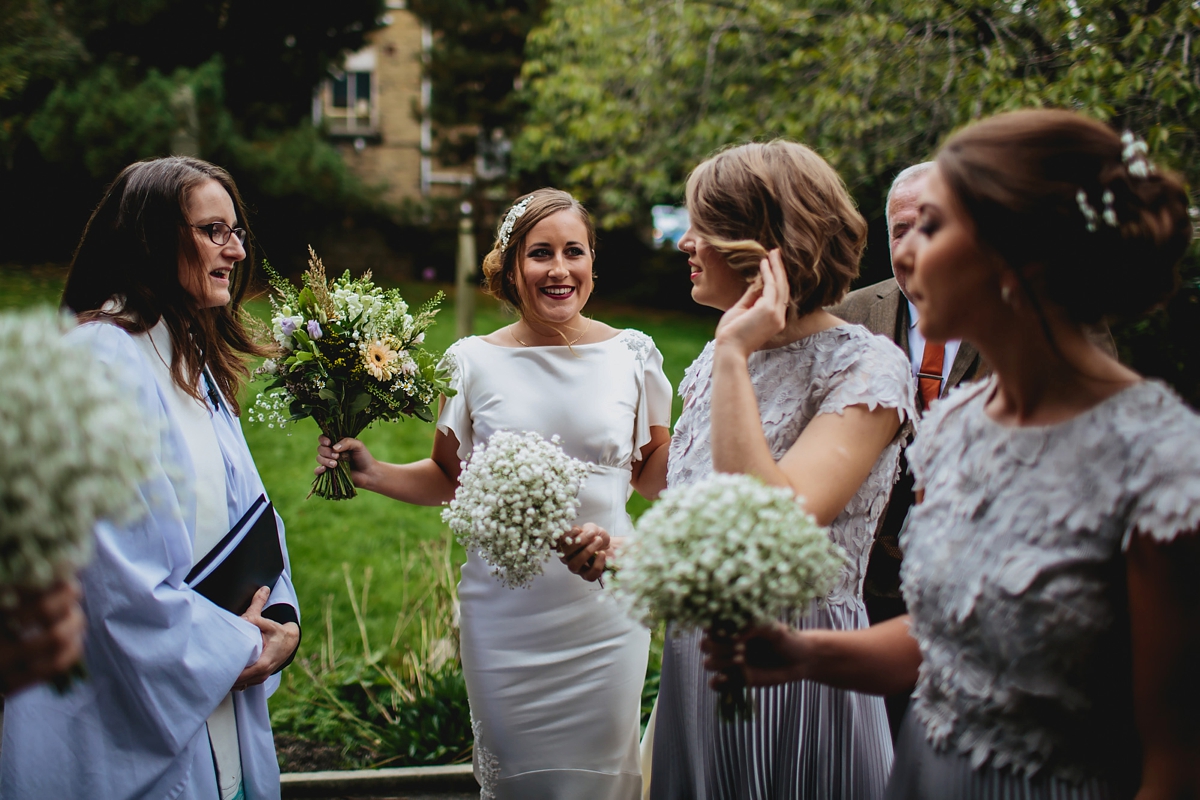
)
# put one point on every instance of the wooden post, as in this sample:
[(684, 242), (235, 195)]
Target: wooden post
[(464, 274)]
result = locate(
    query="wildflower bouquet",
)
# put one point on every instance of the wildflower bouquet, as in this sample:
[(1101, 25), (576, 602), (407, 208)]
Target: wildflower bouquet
[(350, 355), (722, 554), (516, 497), (75, 451)]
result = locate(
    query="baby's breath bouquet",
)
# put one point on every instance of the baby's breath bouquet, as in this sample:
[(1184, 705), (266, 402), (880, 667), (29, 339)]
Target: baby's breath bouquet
[(75, 451), (351, 354), (722, 554), (516, 497)]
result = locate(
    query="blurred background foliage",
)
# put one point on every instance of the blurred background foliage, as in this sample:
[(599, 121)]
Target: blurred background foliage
[(88, 86), (626, 96)]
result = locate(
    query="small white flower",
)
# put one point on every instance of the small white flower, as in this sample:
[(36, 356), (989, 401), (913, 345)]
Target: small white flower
[(495, 513), (727, 550)]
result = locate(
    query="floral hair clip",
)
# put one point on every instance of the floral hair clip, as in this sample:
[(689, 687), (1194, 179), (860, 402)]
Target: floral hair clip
[(1090, 217), (1135, 154), (510, 220)]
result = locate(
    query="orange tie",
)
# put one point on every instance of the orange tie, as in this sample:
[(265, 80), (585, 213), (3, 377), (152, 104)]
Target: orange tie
[(929, 378)]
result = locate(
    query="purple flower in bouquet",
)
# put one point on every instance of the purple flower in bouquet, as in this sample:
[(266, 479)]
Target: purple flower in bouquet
[(287, 326), (314, 329)]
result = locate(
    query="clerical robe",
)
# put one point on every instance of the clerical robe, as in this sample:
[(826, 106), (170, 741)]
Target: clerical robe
[(160, 657)]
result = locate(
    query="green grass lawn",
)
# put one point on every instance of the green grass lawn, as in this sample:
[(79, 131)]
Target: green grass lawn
[(368, 531)]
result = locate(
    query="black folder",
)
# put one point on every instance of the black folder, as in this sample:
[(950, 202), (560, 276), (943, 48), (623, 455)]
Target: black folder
[(246, 559)]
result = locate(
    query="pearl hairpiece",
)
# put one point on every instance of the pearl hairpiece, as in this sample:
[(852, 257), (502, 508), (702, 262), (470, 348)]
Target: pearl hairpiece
[(1135, 154), (510, 220), (1090, 217)]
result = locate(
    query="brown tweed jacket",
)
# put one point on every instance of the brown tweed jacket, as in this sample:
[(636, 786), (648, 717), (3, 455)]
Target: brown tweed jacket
[(882, 309)]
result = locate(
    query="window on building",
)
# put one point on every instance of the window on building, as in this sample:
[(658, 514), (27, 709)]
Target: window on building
[(347, 100)]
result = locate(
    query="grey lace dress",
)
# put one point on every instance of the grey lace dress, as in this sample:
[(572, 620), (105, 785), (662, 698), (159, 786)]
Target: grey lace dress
[(806, 740), (1014, 574)]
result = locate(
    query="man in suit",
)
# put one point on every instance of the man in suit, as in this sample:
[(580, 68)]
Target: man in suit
[(883, 308)]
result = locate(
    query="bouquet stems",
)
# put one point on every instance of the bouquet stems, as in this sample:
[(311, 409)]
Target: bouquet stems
[(336, 483), (734, 703)]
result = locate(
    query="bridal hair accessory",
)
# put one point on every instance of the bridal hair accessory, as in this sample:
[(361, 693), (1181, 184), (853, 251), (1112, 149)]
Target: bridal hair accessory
[(1085, 208), (1135, 156), (1110, 213), (1090, 217), (510, 220)]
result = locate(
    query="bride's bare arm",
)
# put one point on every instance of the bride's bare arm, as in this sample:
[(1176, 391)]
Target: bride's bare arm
[(428, 482), (650, 474)]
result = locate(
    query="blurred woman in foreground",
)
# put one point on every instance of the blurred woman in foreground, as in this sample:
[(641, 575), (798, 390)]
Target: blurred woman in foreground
[(1050, 566), (175, 704)]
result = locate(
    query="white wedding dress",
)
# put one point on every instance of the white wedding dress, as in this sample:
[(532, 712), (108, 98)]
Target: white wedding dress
[(554, 672)]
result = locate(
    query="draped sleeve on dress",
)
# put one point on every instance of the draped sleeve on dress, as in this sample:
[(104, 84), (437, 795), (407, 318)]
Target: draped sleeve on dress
[(654, 390), (869, 370), (456, 414), (1166, 487)]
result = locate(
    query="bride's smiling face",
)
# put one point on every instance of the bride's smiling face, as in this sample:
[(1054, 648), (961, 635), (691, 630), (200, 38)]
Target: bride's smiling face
[(556, 269)]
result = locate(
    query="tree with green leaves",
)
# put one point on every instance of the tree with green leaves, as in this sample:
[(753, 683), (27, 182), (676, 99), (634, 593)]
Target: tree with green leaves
[(88, 86), (476, 57), (626, 96)]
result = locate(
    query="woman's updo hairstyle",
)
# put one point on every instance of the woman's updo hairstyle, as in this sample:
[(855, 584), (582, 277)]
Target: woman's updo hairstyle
[(502, 267), (1019, 176), (757, 197)]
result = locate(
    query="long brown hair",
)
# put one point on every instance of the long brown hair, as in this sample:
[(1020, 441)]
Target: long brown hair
[(756, 197), (503, 267), (131, 251), (1018, 175)]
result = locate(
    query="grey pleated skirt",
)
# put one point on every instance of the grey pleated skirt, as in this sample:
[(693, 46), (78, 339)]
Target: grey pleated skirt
[(805, 742), (922, 773)]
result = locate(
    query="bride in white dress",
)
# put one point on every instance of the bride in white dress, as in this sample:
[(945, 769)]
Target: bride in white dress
[(554, 672)]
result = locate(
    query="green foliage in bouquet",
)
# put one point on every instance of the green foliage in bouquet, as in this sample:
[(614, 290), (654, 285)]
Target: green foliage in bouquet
[(349, 354)]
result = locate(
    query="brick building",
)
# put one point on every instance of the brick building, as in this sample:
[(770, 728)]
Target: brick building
[(373, 108)]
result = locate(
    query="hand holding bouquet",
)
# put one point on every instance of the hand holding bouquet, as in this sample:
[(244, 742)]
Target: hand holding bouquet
[(516, 497), (75, 451), (722, 554), (351, 355)]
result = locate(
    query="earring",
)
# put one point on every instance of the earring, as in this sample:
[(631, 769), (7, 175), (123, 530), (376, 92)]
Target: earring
[(1006, 295)]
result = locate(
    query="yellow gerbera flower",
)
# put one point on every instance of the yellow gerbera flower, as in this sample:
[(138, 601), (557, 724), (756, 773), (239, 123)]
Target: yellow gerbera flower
[(380, 360)]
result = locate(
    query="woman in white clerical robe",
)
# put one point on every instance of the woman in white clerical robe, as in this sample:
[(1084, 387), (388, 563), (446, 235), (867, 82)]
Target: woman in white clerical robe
[(175, 702)]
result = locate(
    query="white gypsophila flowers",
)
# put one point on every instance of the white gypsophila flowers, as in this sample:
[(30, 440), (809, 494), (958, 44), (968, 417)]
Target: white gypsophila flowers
[(518, 494), (75, 450), (728, 550)]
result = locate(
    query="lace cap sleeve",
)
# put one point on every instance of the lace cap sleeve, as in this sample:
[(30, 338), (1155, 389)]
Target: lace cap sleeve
[(870, 370), (654, 390), (455, 418), (1166, 486)]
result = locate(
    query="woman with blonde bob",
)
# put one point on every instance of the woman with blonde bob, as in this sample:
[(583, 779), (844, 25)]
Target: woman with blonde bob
[(803, 400), (554, 676), (1050, 564)]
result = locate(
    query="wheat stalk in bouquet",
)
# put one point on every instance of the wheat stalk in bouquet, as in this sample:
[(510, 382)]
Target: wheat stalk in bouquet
[(722, 554), (350, 354), (75, 452), (517, 495)]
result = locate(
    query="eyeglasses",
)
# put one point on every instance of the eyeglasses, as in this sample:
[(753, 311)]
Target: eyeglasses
[(219, 233)]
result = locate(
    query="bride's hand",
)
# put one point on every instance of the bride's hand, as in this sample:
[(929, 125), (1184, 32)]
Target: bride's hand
[(761, 313), (588, 551), (360, 458)]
